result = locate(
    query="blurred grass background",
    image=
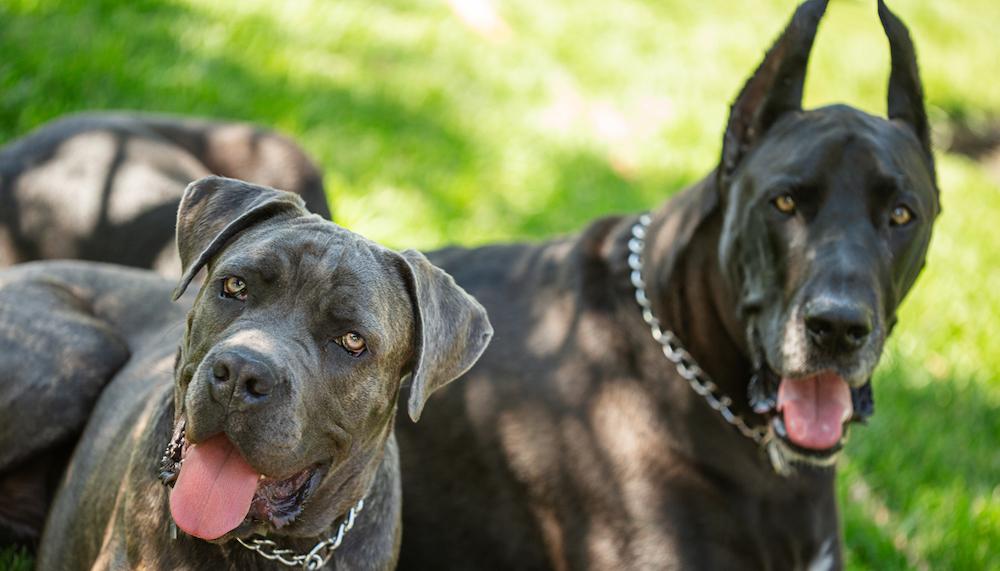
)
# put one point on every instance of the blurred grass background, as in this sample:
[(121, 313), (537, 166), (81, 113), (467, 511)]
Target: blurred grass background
[(469, 121)]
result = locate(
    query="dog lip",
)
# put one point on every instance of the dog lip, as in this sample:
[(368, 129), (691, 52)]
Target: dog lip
[(863, 408), (277, 502), (262, 524), (763, 398)]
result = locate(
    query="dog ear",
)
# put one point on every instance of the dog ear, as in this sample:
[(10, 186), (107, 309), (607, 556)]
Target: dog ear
[(906, 93), (774, 89), (215, 209), (451, 329)]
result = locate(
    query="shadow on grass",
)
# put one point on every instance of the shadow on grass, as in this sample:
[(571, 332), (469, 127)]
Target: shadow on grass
[(930, 454), (390, 126), (134, 56)]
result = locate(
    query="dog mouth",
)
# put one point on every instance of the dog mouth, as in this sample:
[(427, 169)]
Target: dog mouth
[(215, 491), (809, 416)]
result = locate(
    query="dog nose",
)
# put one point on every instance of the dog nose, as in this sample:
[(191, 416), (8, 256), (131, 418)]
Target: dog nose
[(243, 377), (838, 326)]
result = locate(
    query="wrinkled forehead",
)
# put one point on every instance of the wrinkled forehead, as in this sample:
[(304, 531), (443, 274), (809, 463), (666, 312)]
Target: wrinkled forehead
[(809, 146), (322, 264)]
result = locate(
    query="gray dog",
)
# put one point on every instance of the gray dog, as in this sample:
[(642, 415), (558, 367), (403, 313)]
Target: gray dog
[(697, 428), (274, 417), (105, 186)]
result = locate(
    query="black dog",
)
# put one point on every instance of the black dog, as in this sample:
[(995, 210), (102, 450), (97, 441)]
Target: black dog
[(274, 416), (698, 428), (105, 186)]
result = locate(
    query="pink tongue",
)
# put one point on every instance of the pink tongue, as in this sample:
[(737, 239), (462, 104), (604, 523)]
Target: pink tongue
[(214, 489), (815, 409)]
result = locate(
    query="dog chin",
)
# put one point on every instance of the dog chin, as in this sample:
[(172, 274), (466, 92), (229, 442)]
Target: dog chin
[(785, 455), (787, 459)]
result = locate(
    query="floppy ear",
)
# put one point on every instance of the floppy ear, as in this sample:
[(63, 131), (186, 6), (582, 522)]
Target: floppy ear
[(773, 90), (906, 93), (452, 329), (215, 209)]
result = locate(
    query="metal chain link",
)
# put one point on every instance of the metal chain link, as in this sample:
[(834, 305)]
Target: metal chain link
[(318, 556), (673, 350)]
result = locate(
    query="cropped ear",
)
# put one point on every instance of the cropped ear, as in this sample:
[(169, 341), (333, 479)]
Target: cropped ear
[(906, 92), (773, 90), (215, 209), (452, 329)]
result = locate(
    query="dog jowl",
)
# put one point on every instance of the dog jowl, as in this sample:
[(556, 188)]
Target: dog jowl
[(828, 215)]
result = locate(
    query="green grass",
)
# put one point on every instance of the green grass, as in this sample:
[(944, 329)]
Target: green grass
[(430, 133), (15, 560)]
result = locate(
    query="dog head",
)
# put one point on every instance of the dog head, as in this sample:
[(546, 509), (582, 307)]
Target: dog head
[(292, 360), (827, 218)]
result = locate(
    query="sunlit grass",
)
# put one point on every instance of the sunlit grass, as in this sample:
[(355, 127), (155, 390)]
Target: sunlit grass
[(430, 132)]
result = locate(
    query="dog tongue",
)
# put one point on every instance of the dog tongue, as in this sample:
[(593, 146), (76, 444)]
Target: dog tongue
[(815, 409), (214, 489)]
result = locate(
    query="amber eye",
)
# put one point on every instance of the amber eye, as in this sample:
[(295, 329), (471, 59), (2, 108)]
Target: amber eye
[(354, 343), (901, 216), (234, 287), (784, 203)]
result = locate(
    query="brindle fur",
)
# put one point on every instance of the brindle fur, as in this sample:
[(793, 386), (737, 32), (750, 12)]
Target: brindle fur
[(93, 349)]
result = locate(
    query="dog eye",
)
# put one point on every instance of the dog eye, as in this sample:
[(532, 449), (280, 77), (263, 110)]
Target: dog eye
[(234, 287), (900, 216), (352, 343), (784, 203)]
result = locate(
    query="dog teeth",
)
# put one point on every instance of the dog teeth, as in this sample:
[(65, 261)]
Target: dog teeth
[(779, 427), (760, 398)]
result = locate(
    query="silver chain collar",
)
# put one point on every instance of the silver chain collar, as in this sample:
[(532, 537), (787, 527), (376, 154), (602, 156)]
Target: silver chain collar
[(318, 556), (673, 350)]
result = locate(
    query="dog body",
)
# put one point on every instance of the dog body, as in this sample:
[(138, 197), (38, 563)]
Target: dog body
[(283, 389), (105, 186), (576, 443)]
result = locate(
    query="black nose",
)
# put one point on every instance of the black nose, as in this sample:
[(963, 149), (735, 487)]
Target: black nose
[(838, 326), (241, 376)]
